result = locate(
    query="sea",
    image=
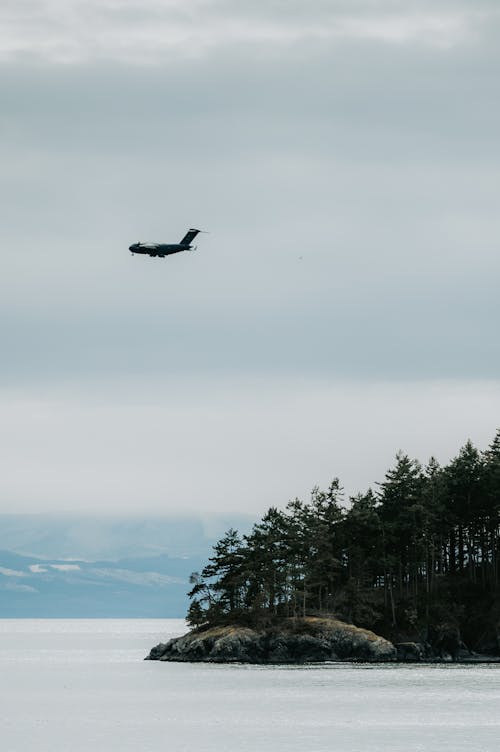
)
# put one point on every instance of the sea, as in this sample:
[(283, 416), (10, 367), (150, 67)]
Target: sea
[(81, 685)]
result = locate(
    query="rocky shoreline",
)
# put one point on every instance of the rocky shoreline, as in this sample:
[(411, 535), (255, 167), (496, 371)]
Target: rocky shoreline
[(307, 640), (304, 640)]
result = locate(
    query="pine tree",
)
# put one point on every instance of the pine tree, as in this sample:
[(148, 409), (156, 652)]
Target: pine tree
[(401, 513), (490, 483), (407, 551), (464, 490)]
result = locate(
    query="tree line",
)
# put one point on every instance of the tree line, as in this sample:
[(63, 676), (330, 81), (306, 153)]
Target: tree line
[(427, 539)]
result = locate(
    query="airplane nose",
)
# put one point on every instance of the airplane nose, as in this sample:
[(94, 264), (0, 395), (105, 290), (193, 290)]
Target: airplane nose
[(132, 247)]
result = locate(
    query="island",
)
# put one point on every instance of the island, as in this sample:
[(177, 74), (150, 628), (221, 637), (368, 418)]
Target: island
[(302, 640), (410, 572)]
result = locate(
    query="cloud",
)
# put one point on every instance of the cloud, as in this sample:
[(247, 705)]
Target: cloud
[(11, 572), (344, 156), (147, 579), (351, 199), (215, 447), (15, 587), (37, 568), (149, 31)]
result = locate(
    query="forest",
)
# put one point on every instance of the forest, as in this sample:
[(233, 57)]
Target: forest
[(423, 548)]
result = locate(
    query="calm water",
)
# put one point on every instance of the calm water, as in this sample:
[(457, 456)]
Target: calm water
[(71, 685)]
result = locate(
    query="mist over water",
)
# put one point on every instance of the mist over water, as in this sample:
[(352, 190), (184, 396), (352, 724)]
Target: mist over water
[(82, 685)]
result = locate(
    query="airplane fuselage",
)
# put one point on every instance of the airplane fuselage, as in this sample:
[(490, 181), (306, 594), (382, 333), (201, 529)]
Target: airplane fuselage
[(159, 249), (166, 249)]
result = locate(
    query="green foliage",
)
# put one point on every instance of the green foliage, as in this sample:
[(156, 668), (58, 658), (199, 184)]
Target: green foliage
[(429, 536)]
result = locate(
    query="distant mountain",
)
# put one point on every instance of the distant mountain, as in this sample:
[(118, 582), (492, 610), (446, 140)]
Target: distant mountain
[(85, 537), (153, 587), (68, 566)]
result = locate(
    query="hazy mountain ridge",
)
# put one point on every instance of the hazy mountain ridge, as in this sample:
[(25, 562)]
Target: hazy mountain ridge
[(72, 565), (153, 587), (67, 536)]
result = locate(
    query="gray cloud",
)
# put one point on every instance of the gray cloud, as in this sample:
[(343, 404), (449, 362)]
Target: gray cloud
[(346, 163), (354, 217), (150, 31), (202, 445)]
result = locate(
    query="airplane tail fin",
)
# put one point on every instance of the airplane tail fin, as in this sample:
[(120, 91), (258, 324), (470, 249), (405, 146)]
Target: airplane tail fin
[(189, 237)]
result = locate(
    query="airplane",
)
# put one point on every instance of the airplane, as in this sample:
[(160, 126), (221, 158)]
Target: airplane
[(166, 249)]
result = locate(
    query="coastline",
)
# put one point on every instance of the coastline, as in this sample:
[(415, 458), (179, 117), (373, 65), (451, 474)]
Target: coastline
[(306, 640)]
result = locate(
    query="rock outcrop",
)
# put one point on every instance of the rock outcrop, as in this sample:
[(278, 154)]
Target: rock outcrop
[(305, 640), (411, 652)]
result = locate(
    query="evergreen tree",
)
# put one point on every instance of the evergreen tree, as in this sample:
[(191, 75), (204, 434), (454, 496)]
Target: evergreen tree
[(490, 484), (324, 532), (401, 512), (464, 490), (396, 557)]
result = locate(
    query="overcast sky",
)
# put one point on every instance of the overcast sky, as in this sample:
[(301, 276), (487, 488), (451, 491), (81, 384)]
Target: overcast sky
[(344, 156)]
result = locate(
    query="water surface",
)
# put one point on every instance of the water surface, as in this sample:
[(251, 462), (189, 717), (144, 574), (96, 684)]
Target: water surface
[(81, 685)]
